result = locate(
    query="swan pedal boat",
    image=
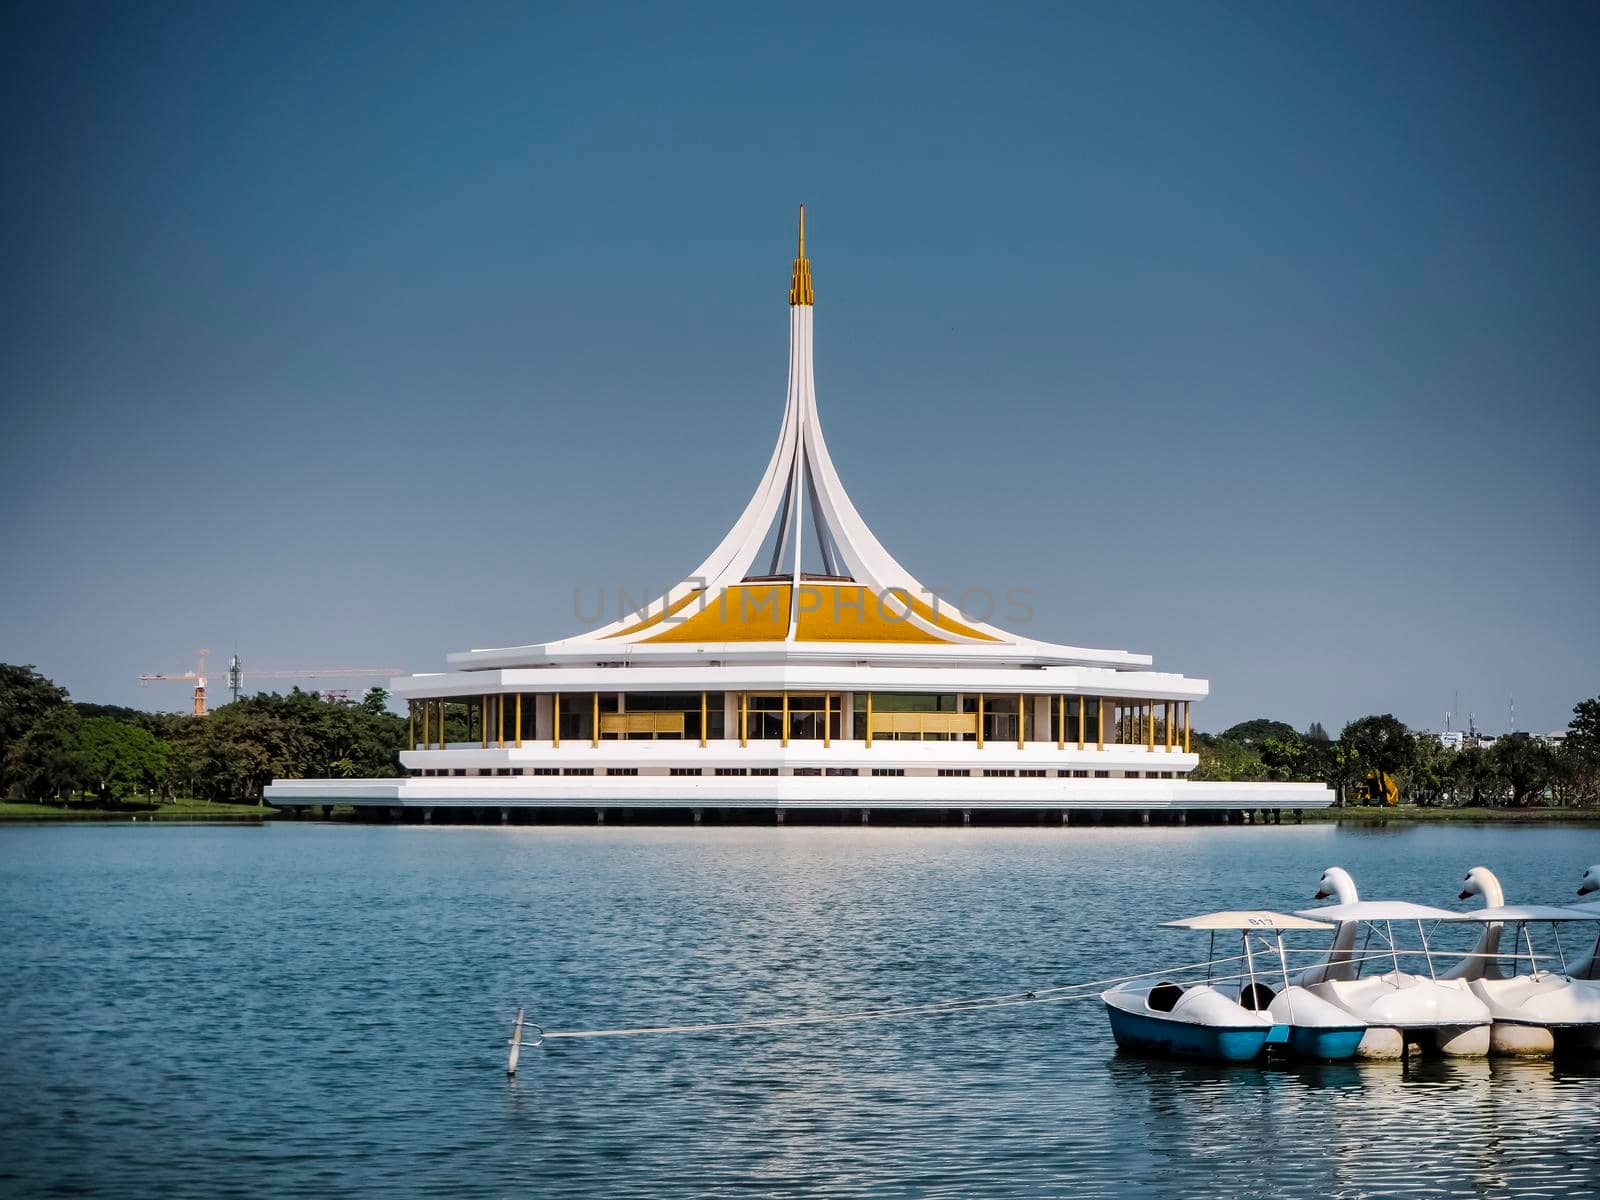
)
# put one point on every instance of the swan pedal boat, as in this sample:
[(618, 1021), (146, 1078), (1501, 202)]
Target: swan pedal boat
[(1233, 1020), (1396, 999), (1539, 1000)]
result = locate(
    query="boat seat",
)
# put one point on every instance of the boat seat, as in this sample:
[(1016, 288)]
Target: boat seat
[(1257, 997), (1163, 997)]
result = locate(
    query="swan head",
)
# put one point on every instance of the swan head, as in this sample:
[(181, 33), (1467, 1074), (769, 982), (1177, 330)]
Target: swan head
[(1336, 884), (1480, 881), (1591, 881)]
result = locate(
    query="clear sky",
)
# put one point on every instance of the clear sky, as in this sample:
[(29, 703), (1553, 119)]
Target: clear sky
[(1263, 338)]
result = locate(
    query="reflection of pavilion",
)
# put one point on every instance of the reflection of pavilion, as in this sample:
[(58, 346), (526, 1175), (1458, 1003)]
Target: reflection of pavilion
[(800, 666)]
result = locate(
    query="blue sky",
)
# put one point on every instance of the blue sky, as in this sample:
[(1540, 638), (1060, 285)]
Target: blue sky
[(1262, 338)]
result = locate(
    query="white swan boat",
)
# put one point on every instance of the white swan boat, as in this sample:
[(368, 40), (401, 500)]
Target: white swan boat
[(1531, 1012), (1399, 1006), (1234, 1019)]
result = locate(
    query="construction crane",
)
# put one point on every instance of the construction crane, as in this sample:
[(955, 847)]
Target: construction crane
[(236, 674), (196, 676), (236, 677)]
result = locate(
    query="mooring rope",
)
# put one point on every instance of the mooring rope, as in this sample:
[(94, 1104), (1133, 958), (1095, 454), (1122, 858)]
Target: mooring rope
[(1058, 994), (1049, 995)]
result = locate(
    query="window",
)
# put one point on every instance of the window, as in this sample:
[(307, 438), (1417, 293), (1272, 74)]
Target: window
[(732, 771), (843, 771), (953, 773), (808, 770), (622, 770), (1079, 774), (763, 770), (888, 771), (546, 771), (1029, 773), (577, 770), (686, 771), (1102, 774), (999, 773)]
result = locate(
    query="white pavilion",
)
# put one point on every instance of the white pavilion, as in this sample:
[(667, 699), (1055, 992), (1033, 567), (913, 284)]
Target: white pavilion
[(756, 684)]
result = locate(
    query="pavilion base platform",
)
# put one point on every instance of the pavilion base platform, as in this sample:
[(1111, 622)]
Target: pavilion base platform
[(799, 800)]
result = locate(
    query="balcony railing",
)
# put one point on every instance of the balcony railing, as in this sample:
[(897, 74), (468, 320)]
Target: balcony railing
[(921, 724), (653, 723)]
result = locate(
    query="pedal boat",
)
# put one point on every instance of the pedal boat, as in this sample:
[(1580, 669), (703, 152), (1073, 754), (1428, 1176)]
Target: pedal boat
[(1534, 1012), (1237, 1017), (1411, 1006)]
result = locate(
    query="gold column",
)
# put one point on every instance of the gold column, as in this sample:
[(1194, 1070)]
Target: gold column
[(1061, 721), (1150, 729), (411, 724), (980, 720), (483, 720), (785, 717), (596, 730), (744, 718), (519, 720), (1083, 703), (500, 717), (869, 721), (1100, 733), (702, 720), (1186, 727), (827, 719), (1166, 719), (555, 721), (1022, 723)]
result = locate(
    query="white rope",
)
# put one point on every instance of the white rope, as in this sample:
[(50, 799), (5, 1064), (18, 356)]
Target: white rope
[(1050, 995), (1060, 994)]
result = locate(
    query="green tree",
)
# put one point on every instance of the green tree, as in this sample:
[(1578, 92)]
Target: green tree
[(1430, 777), (1380, 744), (25, 696), (1316, 733), (1258, 730), (118, 761), (45, 763), (1223, 759), (1527, 766)]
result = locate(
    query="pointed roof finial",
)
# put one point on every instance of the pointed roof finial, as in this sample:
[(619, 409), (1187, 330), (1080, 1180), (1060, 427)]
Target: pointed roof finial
[(800, 278)]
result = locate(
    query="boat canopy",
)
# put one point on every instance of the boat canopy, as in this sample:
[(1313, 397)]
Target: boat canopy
[(1379, 910), (1245, 919), (1529, 912)]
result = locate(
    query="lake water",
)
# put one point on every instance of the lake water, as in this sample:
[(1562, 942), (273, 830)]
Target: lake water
[(323, 1010)]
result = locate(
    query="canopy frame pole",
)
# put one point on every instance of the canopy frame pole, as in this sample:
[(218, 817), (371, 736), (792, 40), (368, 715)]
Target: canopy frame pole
[(1283, 961), (1211, 953), (1561, 952), (1527, 940), (1427, 951), (1394, 954)]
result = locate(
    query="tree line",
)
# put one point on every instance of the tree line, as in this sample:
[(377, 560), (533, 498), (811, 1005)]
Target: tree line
[(54, 749), (1515, 770)]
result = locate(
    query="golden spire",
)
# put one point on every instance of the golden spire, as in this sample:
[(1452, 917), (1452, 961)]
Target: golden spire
[(800, 278)]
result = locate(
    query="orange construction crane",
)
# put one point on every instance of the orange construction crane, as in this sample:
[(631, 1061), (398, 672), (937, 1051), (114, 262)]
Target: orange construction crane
[(197, 676)]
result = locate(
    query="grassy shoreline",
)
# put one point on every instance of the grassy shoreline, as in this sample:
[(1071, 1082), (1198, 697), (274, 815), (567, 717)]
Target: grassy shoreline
[(173, 810), (1416, 814)]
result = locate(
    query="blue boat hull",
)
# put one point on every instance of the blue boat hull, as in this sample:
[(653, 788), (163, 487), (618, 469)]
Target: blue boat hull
[(1136, 1031), (1329, 1045)]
